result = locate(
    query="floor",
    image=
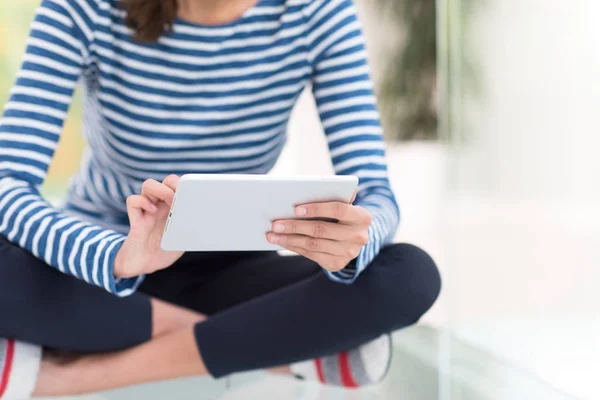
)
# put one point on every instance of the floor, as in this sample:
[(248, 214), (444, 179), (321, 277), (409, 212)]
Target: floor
[(429, 364)]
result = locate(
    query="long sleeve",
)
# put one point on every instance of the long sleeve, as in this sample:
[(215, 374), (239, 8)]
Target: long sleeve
[(347, 107), (57, 54)]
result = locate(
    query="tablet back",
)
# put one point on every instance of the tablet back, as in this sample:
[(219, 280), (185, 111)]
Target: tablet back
[(234, 212)]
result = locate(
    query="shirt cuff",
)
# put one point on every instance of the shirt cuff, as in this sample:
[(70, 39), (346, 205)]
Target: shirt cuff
[(347, 275)]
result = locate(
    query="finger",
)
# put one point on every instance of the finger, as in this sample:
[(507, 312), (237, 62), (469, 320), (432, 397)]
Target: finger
[(311, 244), (330, 263), (345, 213), (157, 191), (141, 203), (322, 230), (172, 181), (136, 206), (354, 196)]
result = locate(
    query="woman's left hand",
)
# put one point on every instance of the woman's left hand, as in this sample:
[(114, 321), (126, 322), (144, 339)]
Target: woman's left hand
[(332, 245)]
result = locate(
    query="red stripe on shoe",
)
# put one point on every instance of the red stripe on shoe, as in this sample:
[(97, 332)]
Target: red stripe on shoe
[(8, 362), (345, 372), (319, 366)]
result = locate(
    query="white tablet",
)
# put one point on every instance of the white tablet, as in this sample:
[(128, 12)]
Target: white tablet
[(235, 212)]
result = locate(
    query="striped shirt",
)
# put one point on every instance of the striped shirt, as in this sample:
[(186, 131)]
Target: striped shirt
[(203, 99)]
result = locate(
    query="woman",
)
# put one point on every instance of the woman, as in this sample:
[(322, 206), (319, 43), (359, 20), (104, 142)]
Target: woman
[(194, 86)]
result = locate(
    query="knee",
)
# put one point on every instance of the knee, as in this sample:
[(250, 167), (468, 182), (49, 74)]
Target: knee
[(408, 283), (423, 275)]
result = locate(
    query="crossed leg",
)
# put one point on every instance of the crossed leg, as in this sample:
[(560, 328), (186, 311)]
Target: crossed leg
[(260, 311)]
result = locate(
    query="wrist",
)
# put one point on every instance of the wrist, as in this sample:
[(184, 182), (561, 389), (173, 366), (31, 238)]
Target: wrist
[(120, 264)]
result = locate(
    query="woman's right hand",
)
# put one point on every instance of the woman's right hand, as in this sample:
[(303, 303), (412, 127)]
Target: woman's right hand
[(148, 212)]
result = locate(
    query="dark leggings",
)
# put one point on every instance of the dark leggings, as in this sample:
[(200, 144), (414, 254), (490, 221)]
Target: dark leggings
[(265, 309)]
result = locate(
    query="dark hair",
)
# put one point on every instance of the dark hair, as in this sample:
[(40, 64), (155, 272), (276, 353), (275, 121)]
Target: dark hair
[(150, 18)]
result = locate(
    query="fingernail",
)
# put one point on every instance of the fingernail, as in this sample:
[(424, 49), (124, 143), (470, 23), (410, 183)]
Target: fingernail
[(278, 228), (273, 239), (300, 211)]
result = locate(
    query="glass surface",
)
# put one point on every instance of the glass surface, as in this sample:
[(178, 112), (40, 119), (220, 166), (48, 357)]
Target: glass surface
[(428, 364)]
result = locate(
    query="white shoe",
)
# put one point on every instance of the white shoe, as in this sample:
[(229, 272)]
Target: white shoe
[(363, 366), (19, 367)]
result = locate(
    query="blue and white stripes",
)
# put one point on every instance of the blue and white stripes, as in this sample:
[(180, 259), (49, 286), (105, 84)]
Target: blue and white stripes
[(203, 99)]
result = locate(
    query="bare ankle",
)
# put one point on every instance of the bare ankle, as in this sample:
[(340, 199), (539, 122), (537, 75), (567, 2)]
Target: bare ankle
[(170, 318), (56, 374), (285, 370)]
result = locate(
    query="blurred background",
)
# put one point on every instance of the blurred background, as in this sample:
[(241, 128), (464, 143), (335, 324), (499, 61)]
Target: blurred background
[(490, 112)]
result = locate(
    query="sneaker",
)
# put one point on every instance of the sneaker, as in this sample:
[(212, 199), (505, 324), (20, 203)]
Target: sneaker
[(19, 367), (364, 366)]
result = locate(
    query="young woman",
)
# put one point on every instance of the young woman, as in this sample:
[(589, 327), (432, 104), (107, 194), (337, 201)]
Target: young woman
[(193, 86)]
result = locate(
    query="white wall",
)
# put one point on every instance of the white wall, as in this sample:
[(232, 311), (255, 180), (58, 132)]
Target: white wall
[(536, 121), (522, 216), (531, 164)]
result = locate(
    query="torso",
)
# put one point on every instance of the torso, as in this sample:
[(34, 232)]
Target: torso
[(204, 99)]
